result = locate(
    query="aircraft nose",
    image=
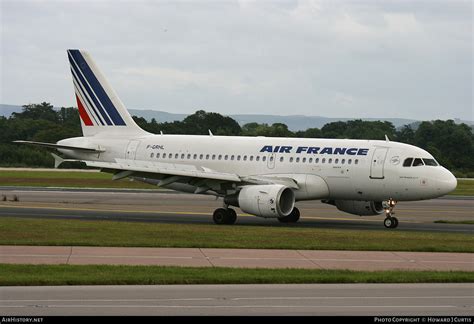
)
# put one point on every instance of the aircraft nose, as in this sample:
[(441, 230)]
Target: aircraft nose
[(447, 182)]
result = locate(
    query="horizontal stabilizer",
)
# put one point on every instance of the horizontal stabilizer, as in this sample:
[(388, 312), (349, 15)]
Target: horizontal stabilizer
[(64, 147), (59, 160)]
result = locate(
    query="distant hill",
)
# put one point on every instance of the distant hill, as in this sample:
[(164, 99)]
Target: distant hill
[(294, 122)]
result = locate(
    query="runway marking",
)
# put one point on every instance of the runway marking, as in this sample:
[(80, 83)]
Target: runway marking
[(235, 299), (177, 213), (228, 306)]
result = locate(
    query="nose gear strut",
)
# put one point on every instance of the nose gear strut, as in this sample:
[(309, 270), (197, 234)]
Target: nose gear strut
[(390, 221)]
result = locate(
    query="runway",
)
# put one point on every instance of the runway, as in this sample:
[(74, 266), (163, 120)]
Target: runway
[(238, 258), (171, 207), (247, 300)]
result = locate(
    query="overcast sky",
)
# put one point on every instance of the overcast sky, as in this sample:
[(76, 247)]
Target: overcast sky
[(408, 59)]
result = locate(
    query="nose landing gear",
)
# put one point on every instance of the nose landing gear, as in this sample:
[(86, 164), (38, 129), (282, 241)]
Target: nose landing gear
[(390, 221)]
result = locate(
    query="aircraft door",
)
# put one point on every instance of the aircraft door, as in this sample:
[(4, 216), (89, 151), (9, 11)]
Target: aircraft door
[(132, 149), (271, 160), (377, 163)]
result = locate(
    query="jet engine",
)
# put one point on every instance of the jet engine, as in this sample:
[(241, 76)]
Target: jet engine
[(268, 201), (356, 207)]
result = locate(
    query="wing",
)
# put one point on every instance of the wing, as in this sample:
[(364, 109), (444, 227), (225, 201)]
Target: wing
[(203, 179)]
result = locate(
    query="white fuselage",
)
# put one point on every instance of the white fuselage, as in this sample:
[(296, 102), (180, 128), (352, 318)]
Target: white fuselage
[(351, 169)]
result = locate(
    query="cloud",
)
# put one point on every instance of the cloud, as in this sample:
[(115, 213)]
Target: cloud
[(338, 58)]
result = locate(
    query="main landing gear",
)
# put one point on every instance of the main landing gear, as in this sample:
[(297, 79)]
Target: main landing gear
[(292, 218), (390, 221), (226, 216)]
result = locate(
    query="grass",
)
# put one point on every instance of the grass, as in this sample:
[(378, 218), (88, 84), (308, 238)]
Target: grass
[(37, 275), (468, 222), (25, 231), (464, 188), (104, 180), (67, 179)]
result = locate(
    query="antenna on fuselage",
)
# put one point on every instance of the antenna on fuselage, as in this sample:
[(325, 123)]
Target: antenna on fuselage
[(386, 138), (210, 133)]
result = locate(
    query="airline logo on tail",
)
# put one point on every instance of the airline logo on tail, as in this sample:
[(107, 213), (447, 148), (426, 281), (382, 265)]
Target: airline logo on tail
[(93, 102)]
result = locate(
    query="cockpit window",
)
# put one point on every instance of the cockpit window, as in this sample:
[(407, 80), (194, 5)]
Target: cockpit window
[(407, 162), (430, 162), (417, 162)]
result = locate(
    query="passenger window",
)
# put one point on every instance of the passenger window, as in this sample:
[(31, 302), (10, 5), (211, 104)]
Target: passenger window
[(201, 156), (176, 156), (310, 160), (349, 161), (232, 158), (281, 158), (245, 157), (271, 158), (430, 162), (418, 162), (323, 160), (226, 157), (189, 156), (195, 156), (407, 162), (251, 158), (220, 157), (264, 158), (297, 159), (330, 160), (316, 160), (356, 161), (336, 161), (304, 160), (257, 158), (207, 156), (291, 159), (157, 155), (213, 156), (151, 155), (238, 157), (182, 156), (343, 161)]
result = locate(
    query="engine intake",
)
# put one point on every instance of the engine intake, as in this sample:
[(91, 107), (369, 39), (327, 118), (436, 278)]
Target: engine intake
[(356, 207), (269, 201)]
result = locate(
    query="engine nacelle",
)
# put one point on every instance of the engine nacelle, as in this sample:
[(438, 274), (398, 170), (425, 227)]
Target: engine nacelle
[(269, 201), (361, 208)]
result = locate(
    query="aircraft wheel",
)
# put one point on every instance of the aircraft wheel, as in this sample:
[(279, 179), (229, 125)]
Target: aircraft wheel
[(390, 222), (395, 222), (292, 218), (232, 216), (220, 216)]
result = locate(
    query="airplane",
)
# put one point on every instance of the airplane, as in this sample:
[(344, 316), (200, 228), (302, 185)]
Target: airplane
[(263, 176)]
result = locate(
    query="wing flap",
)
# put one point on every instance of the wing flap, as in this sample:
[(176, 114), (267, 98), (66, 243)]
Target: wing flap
[(165, 168)]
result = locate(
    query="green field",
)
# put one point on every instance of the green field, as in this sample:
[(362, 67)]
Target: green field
[(104, 180), (74, 179), (38, 275), (464, 188), (23, 231)]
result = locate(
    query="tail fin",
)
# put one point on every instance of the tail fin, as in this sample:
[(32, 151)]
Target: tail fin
[(100, 108)]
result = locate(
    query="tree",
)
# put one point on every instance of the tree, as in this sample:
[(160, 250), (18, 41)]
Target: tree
[(43, 111)]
